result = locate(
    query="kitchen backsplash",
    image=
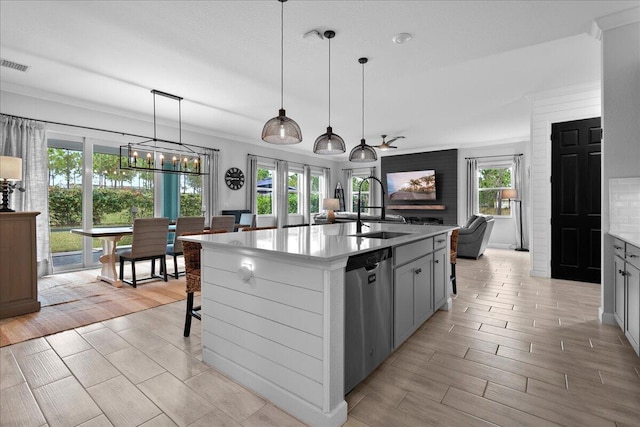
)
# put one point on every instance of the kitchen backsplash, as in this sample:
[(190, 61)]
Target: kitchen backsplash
[(624, 205)]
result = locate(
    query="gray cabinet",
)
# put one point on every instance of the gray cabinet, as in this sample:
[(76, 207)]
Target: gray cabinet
[(419, 284), (627, 290)]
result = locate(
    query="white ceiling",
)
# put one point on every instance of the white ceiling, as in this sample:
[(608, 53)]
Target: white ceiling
[(461, 81)]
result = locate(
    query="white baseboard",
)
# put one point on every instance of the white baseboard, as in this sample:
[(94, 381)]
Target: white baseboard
[(538, 273), (501, 246), (606, 318)]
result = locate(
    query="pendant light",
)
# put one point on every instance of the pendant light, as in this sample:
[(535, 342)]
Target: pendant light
[(281, 129), (363, 153), (329, 143)]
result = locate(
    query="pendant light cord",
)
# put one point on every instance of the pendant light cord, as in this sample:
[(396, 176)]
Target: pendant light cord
[(282, 55), (329, 81), (363, 100)]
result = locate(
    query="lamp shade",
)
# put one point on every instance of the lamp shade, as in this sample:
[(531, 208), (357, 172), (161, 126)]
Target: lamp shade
[(331, 204), (329, 143), (363, 153), (509, 193), (11, 168), (281, 130)]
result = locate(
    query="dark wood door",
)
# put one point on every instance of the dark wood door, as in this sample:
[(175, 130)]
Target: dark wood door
[(575, 200)]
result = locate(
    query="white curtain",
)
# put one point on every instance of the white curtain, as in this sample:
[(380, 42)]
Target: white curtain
[(329, 192), (520, 213), (472, 187), (305, 190), (27, 139), (252, 183), (282, 193), (210, 189), (348, 191)]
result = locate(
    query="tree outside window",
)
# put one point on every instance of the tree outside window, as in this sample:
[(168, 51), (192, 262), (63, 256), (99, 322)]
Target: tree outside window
[(316, 193), (295, 196), (364, 192), (264, 198), (491, 182)]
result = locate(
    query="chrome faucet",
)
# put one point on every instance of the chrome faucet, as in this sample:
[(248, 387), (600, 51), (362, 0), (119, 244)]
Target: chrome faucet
[(382, 215)]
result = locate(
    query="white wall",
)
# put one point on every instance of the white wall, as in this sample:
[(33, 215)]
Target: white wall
[(563, 105), (232, 153), (504, 229), (621, 124)]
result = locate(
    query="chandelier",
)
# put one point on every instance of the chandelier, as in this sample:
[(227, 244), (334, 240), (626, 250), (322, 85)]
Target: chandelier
[(160, 155)]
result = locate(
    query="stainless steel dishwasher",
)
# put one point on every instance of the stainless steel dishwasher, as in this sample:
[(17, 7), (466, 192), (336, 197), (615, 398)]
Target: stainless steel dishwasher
[(368, 311)]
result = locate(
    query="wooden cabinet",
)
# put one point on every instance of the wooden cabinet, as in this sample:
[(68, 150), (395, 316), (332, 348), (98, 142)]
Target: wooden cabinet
[(627, 291), (419, 283), (19, 288)]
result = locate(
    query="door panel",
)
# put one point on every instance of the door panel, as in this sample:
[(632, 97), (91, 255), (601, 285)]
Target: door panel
[(575, 201)]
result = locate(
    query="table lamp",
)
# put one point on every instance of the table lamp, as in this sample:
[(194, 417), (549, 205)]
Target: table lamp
[(331, 205), (10, 170)]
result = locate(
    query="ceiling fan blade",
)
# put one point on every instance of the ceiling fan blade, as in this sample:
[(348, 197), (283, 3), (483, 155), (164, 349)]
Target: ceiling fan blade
[(393, 139)]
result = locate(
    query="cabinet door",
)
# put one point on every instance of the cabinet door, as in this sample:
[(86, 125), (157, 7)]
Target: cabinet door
[(632, 325), (403, 320), (440, 279), (618, 312), (423, 289)]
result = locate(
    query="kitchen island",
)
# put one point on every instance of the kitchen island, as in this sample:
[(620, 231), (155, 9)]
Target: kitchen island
[(273, 307)]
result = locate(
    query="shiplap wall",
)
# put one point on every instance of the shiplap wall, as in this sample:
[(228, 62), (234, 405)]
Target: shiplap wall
[(579, 102), (445, 163)]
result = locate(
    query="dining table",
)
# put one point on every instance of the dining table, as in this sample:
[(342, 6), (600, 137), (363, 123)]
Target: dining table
[(109, 236)]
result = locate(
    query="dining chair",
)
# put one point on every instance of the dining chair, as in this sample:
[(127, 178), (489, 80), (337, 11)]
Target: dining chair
[(453, 256), (270, 227), (223, 222), (184, 224), (149, 243), (192, 268), (247, 220)]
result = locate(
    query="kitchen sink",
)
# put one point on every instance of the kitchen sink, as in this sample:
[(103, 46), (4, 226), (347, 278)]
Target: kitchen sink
[(381, 235)]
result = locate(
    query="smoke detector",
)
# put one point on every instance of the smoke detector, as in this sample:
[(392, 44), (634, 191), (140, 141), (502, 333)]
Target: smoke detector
[(14, 65), (401, 38)]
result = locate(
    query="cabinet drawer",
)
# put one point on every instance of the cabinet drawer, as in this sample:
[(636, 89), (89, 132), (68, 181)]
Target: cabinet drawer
[(632, 255), (618, 247), (405, 253), (440, 241)]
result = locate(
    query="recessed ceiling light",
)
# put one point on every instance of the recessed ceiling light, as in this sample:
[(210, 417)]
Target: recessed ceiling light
[(401, 38)]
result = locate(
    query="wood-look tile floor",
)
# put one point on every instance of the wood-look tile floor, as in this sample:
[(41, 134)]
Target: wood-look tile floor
[(514, 350)]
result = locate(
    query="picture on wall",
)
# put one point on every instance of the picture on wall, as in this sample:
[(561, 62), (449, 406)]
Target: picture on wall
[(413, 185)]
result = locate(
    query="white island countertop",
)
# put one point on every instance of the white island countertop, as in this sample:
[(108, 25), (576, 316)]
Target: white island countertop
[(318, 242)]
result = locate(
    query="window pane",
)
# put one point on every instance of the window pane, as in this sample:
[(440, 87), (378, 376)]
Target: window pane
[(191, 195), (491, 182), (65, 206), (264, 198), (294, 193)]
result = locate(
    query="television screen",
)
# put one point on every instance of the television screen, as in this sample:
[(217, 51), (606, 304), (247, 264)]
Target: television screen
[(414, 185)]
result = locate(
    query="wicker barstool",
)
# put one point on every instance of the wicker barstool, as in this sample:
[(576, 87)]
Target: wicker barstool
[(453, 256)]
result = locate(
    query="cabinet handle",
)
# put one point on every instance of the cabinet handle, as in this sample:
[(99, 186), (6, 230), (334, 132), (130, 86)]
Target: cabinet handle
[(440, 240), (436, 261), (622, 273), (617, 247), (630, 255), (418, 270)]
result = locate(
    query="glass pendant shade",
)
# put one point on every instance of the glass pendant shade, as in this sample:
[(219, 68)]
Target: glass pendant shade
[(363, 153), (281, 130), (329, 143)]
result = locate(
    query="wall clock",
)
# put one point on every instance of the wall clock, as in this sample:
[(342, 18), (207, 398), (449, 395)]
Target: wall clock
[(234, 178)]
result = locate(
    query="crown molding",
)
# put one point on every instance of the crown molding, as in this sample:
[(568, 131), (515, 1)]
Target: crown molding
[(615, 20)]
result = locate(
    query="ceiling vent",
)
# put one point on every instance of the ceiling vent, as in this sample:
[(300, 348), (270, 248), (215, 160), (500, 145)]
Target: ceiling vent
[(14, 65)]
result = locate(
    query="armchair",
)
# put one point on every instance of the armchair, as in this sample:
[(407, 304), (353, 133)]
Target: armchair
[(474, 236)]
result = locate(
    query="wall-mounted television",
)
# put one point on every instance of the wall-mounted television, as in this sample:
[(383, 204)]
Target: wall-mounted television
[(413, 185)]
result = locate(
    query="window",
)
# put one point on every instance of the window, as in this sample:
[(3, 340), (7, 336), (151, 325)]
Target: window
[(264, 199), (294, 182), (316, 193), (191, 195), (364, 192), (491, 182)]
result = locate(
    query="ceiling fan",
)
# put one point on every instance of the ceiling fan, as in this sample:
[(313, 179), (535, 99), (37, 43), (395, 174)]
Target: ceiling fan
[(387, 144)]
